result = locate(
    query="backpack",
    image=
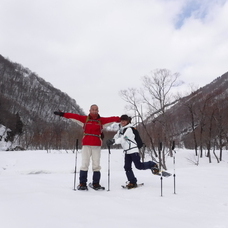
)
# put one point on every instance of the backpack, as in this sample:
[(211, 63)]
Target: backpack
[(137, 137)]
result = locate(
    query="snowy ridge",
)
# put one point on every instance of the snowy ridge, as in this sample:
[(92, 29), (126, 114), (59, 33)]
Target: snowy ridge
[(46, 199)]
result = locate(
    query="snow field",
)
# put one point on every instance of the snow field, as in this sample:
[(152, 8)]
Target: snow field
[(36, 191)]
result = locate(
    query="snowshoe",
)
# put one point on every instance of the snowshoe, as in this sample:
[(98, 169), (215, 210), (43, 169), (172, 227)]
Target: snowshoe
[(130, 185), (96, 186), (82, 187), (158, 172)]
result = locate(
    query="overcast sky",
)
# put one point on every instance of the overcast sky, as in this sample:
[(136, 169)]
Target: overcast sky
[(92, 49)]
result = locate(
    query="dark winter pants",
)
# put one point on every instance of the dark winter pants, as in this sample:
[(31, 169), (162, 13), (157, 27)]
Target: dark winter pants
[(96, 176), (135, 158)]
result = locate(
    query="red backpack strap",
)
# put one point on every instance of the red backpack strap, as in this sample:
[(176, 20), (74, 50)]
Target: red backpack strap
[(99, 122)]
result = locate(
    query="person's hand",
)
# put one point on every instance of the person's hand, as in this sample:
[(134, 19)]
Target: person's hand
[(59, 113), (110, 142)]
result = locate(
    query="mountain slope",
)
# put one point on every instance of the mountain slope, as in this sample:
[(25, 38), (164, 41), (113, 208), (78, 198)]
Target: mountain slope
[(197, 120), (29, 97)]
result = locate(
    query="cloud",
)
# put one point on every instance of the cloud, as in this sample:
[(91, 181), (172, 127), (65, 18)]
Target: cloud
[(93, 49)]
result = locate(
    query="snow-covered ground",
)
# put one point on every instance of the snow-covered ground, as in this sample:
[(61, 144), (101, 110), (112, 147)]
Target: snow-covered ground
[(36, 191)]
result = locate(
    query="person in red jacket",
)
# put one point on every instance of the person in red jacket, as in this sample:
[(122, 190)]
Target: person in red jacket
[(91, 143)]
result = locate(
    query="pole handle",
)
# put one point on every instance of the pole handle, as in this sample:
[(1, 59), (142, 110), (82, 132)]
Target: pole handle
[(77, 144), (109, 151), (160, 146), (173, 145)]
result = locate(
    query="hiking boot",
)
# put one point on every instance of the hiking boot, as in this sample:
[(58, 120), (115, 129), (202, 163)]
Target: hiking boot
[(96, 186), (82, 186), (131, 185), (155, 170)]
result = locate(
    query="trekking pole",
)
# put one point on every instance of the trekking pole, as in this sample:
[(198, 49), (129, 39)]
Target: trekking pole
[(109, 152), (159, 151), (174, 172), (75, 170)]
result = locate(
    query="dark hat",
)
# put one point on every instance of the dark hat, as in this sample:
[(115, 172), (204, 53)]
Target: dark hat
[(125, 117)]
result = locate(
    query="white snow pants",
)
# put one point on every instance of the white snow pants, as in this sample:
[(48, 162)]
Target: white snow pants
[(95, 153)]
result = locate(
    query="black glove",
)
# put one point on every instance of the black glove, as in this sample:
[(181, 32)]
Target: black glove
[(59, 113), (110, 142)]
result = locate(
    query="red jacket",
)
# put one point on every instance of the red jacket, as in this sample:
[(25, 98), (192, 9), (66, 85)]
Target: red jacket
[(92, 127)]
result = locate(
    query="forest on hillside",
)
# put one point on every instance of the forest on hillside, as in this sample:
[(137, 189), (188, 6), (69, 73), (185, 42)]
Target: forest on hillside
[(27, 103)]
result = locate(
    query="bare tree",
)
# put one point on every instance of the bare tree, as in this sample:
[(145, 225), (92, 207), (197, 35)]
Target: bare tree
[(156, 96), (193, 122), (221, 126)]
